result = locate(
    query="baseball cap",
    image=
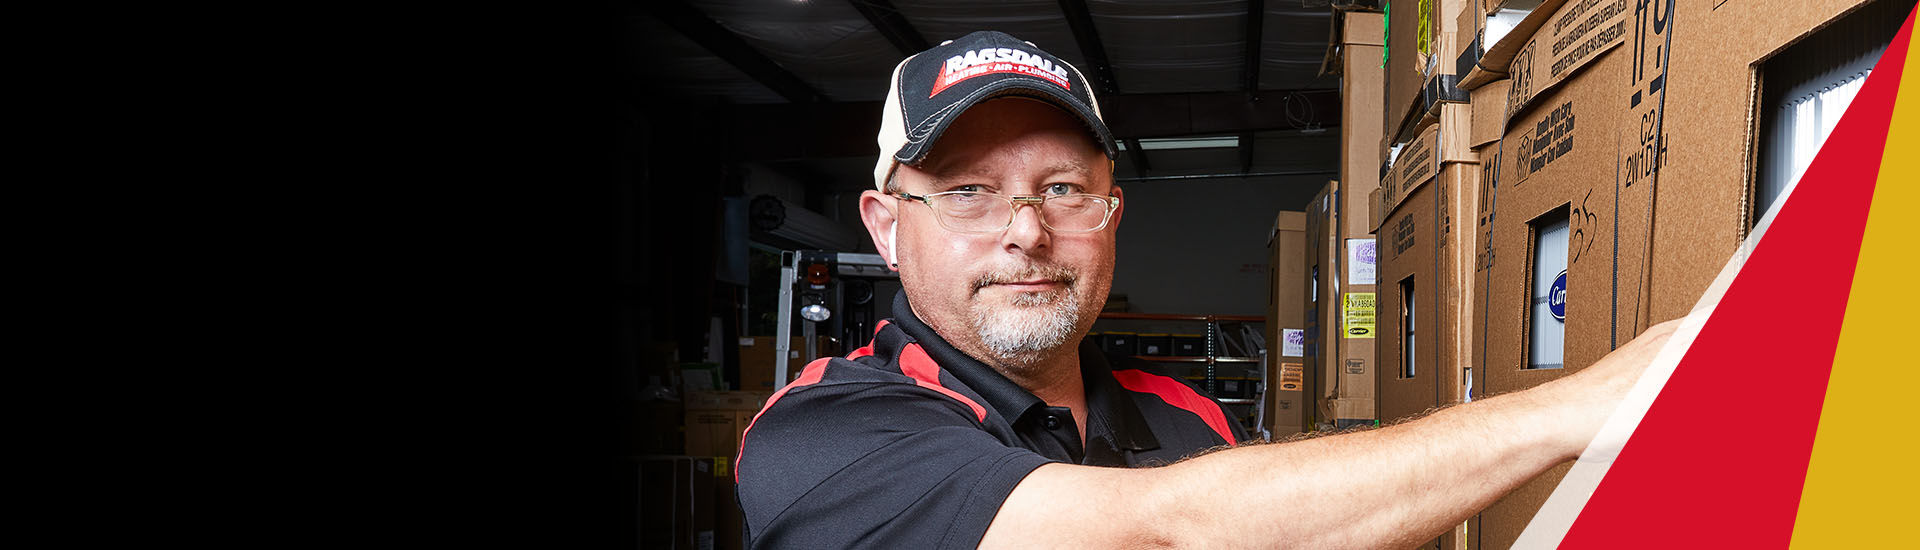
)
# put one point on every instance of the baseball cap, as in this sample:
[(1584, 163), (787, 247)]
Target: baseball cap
[(930, 89)]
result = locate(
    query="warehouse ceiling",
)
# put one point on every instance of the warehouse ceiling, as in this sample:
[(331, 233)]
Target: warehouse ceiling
[(803, 79)]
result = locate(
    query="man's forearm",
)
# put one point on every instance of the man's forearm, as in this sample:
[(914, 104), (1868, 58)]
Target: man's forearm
[(1391, 487)]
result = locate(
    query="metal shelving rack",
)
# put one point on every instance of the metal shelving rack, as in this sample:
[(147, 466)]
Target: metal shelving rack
[(1211, 358)]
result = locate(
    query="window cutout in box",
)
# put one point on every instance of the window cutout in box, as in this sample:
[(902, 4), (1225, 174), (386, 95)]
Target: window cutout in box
[(1547, 291)]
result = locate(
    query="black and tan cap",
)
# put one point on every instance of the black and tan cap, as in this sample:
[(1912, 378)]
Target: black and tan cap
[(929, 90)]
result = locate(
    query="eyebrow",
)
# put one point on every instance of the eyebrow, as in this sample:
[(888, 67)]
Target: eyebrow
[(1061, 166)]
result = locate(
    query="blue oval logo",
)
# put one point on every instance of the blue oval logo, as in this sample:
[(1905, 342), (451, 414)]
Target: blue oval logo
[(1557, 297)]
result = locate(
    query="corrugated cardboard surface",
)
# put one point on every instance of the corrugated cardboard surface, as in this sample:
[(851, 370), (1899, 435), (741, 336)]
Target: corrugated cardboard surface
[(1363, 28), (1361, 93), (1579, 33), (1498, 59), (1423, 242), (1286, 309), (1703, 196), (1559, 155), (1343, 385), (1420, 159), (1408, 68), (1489, 115), (1321, 320)]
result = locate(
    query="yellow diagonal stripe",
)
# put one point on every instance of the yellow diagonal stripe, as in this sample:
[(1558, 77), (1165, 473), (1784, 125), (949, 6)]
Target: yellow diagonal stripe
[(1863, 485)]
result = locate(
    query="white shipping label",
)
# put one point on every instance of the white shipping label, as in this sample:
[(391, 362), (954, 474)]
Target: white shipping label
[(1293, 342), (1360, 270)]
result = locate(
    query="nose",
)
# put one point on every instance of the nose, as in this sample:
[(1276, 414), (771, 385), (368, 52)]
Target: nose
[(1026, 233)]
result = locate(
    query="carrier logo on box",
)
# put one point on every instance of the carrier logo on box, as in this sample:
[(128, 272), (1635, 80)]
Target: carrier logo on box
[(1557, 297)]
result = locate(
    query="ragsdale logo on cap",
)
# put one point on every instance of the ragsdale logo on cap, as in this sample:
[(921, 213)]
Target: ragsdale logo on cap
[(995, 61)]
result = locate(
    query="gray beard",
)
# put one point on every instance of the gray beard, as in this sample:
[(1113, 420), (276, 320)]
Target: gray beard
[(1034, 328)]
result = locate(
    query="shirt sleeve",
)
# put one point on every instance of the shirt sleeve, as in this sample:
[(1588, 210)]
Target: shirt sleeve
[(873, 465)]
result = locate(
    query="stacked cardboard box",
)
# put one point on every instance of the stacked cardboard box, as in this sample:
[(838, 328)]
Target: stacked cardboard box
[(1286, 406), (1629, 128), (1425, 263), (1423, 62), (715, 423), (1340, 294), (757, 363)]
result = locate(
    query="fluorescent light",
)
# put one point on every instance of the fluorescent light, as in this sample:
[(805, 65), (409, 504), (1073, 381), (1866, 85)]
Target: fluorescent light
[(1152, 144)]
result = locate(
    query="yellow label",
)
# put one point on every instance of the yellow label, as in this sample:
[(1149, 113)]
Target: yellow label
[(1359, 315), (1424, 40), (720, 466), (1292, 377)]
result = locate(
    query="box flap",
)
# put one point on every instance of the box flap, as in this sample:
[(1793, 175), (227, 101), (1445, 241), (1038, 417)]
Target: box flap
[(1494, 63)]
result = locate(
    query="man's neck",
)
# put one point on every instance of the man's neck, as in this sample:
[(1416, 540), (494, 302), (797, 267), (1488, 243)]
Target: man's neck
[(1061, 386)]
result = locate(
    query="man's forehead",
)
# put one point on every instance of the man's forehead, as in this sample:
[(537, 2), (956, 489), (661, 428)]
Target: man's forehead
[(990, 167)]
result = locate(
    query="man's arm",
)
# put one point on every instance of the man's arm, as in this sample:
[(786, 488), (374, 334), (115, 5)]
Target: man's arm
[(1392, 487)]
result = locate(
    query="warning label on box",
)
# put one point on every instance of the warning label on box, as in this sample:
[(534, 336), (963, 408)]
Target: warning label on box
[(1358, 308), (1292, 377)]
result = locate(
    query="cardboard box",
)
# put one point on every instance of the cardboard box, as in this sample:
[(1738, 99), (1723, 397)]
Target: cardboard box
[(1642, 137), (717, 420), (1340, 288), (1427, 245), (1489, 113), (756, 360), (1286, 321), (1361, 92), (1422, 58)]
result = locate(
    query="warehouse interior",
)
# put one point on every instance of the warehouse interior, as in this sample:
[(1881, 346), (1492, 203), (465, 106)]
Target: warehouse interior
[(1310, 235)]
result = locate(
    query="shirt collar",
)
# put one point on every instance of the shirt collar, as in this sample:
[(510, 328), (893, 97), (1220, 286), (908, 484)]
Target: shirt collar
[(1111, 412)]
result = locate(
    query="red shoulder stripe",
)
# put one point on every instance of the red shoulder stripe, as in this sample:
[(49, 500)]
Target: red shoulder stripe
[(808, 376), (867, 350), (1178, 395), (916, 364)]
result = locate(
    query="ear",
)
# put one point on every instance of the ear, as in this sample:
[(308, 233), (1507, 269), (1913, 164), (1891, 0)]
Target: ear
[(881, 223), (1114, 224)]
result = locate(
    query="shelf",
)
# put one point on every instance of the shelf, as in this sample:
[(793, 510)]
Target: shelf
[(1179, 317), (1194, 359), (1242, 378), (1238, 401)]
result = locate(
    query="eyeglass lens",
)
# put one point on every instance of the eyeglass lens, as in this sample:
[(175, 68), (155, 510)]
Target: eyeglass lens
[(984, 212)]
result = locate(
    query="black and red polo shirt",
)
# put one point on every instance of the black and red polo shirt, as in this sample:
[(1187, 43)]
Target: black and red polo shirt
[(909, 443)]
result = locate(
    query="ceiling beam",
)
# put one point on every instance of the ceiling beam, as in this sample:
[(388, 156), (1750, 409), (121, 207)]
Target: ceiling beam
[(1246, 152), (891, 24), (1250, 73), (702, 30), (1256, 20), (1139, 157), (1081, 21), (837, 130)]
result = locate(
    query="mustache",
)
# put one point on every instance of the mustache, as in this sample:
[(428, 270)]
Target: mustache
[(1029, 272)]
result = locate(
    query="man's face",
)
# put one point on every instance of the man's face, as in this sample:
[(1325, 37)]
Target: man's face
[(1022, 295)]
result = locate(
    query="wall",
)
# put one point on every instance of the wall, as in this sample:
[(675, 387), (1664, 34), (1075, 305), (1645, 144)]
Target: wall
[(1200, 246)]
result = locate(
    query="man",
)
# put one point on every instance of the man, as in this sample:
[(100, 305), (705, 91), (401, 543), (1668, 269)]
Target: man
[(975, 418)]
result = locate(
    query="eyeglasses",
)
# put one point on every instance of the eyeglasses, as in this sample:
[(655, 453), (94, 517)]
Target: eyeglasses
[(971, 212)]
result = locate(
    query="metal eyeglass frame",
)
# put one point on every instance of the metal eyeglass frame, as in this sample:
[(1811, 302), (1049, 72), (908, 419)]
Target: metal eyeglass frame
[(1038, 202)]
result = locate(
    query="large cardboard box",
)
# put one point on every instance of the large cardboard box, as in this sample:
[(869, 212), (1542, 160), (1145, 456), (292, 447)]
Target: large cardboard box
[(1422, 64), (1361, 92), (756, 360), (1426, 255), (715, 423), (1633, 125), (1340, 291), (1286, 406)]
